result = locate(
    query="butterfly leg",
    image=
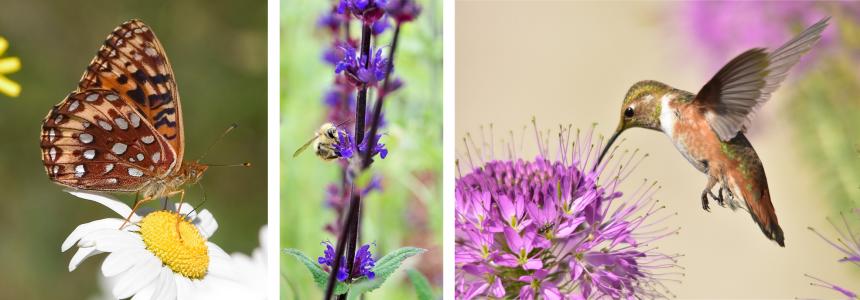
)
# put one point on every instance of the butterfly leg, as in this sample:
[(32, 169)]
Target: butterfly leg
[(137, 203), (179, 210)]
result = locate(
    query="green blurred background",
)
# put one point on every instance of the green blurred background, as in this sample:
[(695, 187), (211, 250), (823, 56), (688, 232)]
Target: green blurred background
[(218, 51), (408, 212)]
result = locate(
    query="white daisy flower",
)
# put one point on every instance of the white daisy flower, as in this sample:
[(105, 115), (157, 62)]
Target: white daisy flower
[(251, 270), (147, 259)]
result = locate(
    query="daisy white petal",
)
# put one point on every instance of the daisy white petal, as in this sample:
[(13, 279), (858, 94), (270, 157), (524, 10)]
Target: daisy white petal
[(137, 278), (111, 240), (145, 294), (106, 200), (166, 288), (118, 262), (81, 255), (206, 222), (251, 270), (86, 228)]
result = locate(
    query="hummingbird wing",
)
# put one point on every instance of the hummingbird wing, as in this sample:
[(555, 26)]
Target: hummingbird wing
[(748, 80)]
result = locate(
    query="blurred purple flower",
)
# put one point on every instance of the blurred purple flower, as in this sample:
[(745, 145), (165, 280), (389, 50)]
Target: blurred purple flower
[(546, 229), (380, 26), (848, 242), (358, 71), (403, 10), (367, 11), (331, 21), (362, 264), (337, 199), (724, 29)]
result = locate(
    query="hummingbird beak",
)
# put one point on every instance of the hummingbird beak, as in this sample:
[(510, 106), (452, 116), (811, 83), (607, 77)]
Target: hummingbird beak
[(608, 145)]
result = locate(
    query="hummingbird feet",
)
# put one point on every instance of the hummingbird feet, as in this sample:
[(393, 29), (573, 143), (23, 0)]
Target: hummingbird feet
[(719, 198), (705, 200)]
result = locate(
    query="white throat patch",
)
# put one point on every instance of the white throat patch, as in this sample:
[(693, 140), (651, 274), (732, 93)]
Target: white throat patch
[(667, 116)]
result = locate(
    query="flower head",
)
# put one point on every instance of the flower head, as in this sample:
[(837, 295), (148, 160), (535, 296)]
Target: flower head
[(550, 229), (403, 10), (359, 70), (8, 65), (158, 255), (368, 11), (347, 149), (362, 264)]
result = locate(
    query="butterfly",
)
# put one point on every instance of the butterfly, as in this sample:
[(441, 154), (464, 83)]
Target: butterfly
[(121, 129)]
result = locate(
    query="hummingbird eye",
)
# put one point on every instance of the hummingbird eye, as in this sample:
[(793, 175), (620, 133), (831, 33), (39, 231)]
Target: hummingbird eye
[(628, 112)]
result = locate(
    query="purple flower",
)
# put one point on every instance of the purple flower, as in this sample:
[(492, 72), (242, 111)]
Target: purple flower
[(346, 146), (403, 10), (821, 283), (358, 70), (550, 229), (368, 11), (848, 243), (538, 286), (362, 264)]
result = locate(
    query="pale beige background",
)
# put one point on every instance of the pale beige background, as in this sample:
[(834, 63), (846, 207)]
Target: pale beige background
[(573, 62)]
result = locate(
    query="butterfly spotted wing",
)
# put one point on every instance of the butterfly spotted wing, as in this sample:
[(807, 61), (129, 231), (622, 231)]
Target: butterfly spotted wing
[(133, 64), (95, 140)]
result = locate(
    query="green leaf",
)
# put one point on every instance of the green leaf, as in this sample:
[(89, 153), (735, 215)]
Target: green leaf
[(320, 275), (422, 286), (384, 268)]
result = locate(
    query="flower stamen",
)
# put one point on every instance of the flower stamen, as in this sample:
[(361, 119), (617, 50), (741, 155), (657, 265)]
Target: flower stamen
[(176, 242)]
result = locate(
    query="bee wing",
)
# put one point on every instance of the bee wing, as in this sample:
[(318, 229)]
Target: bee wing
[(305, 146)]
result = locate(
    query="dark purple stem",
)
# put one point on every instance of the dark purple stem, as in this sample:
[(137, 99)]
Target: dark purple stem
[(341, 238), (361, 100), (349, 232), (377, 107)]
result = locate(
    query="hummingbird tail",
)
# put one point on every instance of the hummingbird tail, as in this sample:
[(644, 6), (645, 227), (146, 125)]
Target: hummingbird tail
[(762, 212)]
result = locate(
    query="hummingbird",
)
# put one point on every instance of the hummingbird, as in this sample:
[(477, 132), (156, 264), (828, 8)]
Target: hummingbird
[(708, 127)]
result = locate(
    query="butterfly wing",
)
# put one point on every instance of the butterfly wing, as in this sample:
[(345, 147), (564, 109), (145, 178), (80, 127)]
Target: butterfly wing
[(133, 64), (95, 140)]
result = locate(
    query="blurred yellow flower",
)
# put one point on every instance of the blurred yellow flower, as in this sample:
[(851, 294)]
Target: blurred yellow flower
[(8, 65)]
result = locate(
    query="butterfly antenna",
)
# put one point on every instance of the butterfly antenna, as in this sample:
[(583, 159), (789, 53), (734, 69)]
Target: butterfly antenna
[(244, 164), (221, 137)]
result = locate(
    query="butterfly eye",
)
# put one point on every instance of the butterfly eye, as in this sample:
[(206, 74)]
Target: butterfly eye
[(628, 113)]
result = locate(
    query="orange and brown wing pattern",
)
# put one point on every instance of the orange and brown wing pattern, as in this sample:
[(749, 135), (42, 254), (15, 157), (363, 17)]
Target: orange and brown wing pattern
[(133, 64), (95, 140)]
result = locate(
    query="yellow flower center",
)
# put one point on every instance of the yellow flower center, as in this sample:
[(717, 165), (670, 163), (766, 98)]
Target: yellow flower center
[(176, 242)]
